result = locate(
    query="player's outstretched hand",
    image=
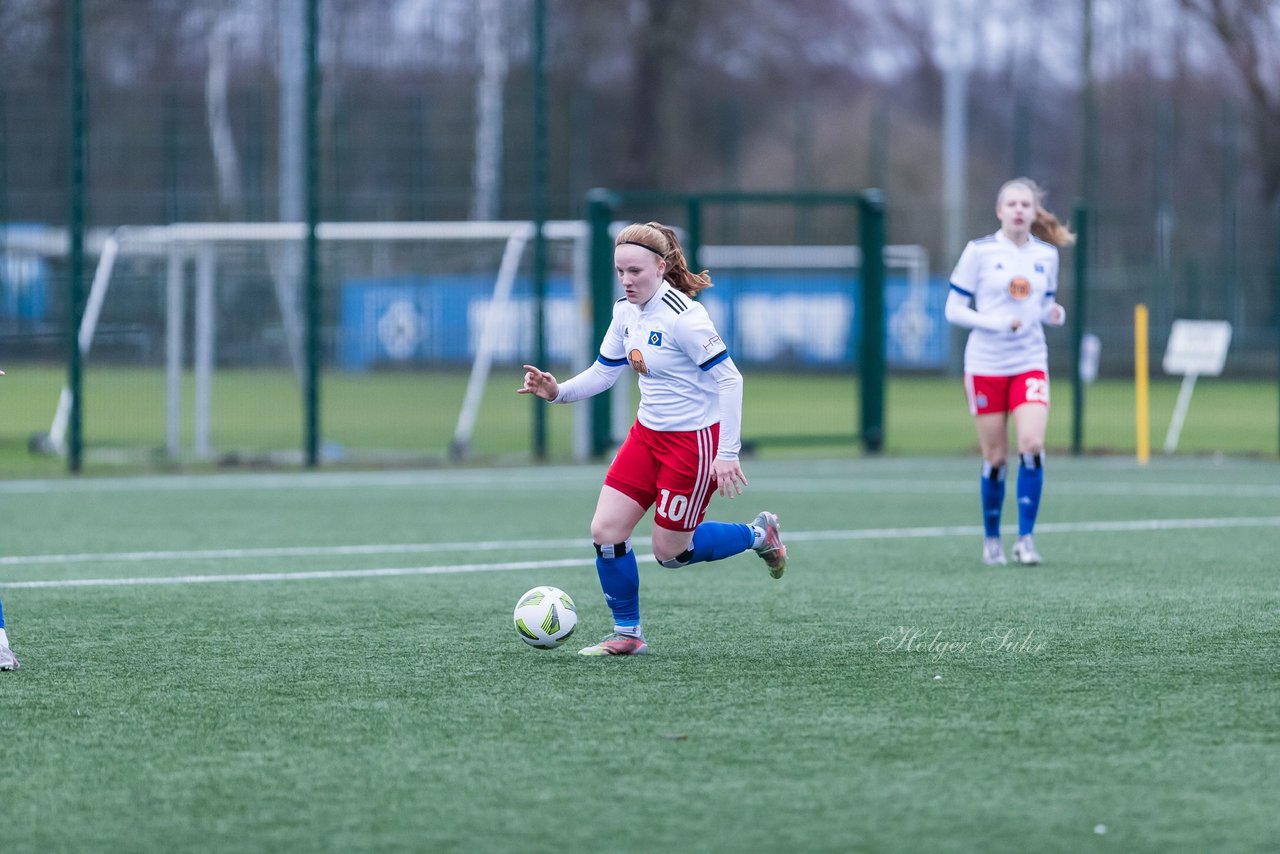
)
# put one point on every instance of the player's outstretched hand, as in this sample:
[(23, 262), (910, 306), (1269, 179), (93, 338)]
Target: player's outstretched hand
[(729, 477), (539, 382)]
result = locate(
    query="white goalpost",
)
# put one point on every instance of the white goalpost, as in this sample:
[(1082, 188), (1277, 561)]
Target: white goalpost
[(494, 321)]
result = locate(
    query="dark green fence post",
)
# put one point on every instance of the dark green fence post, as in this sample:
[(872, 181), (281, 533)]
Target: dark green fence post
[(693, 240), (75, 231), (1077, 330), (872, 348), (4, 179), (600, 207), (312, 244), (539, 205)]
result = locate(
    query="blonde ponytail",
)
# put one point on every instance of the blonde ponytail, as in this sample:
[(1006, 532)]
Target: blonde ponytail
[(1046, 225)]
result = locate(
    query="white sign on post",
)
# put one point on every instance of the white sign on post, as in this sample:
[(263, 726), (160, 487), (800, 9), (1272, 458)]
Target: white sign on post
[(1196, 347)]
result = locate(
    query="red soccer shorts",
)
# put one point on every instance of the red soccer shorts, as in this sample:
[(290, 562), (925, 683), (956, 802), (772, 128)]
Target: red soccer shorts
[(672, 470), (1005, 394)]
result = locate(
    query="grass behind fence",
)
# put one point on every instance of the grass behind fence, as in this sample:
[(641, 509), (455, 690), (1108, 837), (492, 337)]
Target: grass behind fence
[(414, 414)]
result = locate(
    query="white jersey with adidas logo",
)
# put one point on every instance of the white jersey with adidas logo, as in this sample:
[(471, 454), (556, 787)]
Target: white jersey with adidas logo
[(671, 343), (1006, 280)]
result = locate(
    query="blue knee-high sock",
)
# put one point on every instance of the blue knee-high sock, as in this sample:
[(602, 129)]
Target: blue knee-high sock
[(992, 497), (719, 540), (1030, 483), (714, 541), (620, 581)]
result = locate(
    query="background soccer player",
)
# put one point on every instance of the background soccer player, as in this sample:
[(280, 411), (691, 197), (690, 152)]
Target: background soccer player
[(1011, 278), (7, 659), (685, 442)]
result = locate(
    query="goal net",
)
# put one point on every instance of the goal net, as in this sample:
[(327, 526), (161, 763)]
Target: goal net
[(193, 340)]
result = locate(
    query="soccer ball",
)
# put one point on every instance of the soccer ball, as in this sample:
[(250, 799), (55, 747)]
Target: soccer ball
[(545, 617)]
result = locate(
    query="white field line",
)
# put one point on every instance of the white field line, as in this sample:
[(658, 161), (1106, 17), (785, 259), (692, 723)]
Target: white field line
[(292, 551), (302, 576), (795, 536), (825, 483)]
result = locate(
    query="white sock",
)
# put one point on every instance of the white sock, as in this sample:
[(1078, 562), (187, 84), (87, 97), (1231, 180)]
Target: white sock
[(630, 631), (4, 638), (758, 542)]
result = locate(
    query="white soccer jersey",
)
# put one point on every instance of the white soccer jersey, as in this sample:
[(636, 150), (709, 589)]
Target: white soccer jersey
[(1005, 280), (673, 346)]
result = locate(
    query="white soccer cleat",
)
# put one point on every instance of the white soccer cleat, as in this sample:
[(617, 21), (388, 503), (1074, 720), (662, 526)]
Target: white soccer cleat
[(1024, 551), (8, 661), (616, 643), (993, 552), (772, 551)]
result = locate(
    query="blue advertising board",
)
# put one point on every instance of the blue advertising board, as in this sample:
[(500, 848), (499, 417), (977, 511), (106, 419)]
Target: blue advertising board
[(802, 319)]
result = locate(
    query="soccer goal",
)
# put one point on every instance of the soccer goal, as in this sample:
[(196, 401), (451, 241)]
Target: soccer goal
[(194, 335)]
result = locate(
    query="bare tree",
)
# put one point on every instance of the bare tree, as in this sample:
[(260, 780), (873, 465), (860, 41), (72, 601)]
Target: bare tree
[(1248, 32), (221, 139), (487, 169)]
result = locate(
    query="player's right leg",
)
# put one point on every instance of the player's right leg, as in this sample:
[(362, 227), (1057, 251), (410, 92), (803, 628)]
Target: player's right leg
[(616, 517), (626, 496), (992, 430), (988, 403)]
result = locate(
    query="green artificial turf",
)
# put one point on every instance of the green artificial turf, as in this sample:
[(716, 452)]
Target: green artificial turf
[(889, 693)]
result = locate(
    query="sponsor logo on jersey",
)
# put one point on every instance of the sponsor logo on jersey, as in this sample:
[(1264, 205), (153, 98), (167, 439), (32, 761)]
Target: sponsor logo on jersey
[(655, 339), (1019, 287), (636, 358), (1039, 267), (712, 344)]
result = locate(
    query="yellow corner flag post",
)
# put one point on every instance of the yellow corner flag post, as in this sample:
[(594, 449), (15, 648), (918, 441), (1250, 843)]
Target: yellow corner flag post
[(1141, 382)]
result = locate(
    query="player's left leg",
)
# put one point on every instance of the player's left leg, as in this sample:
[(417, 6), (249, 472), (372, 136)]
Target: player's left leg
[(681, 535), (7, 659), (1030, 421), (707, 542)]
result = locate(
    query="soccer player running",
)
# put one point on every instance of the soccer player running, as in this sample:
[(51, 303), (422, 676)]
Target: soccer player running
[(685, 442), (1011, 278)]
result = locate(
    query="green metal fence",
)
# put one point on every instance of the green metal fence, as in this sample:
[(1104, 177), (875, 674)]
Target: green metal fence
[(867, 213)]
